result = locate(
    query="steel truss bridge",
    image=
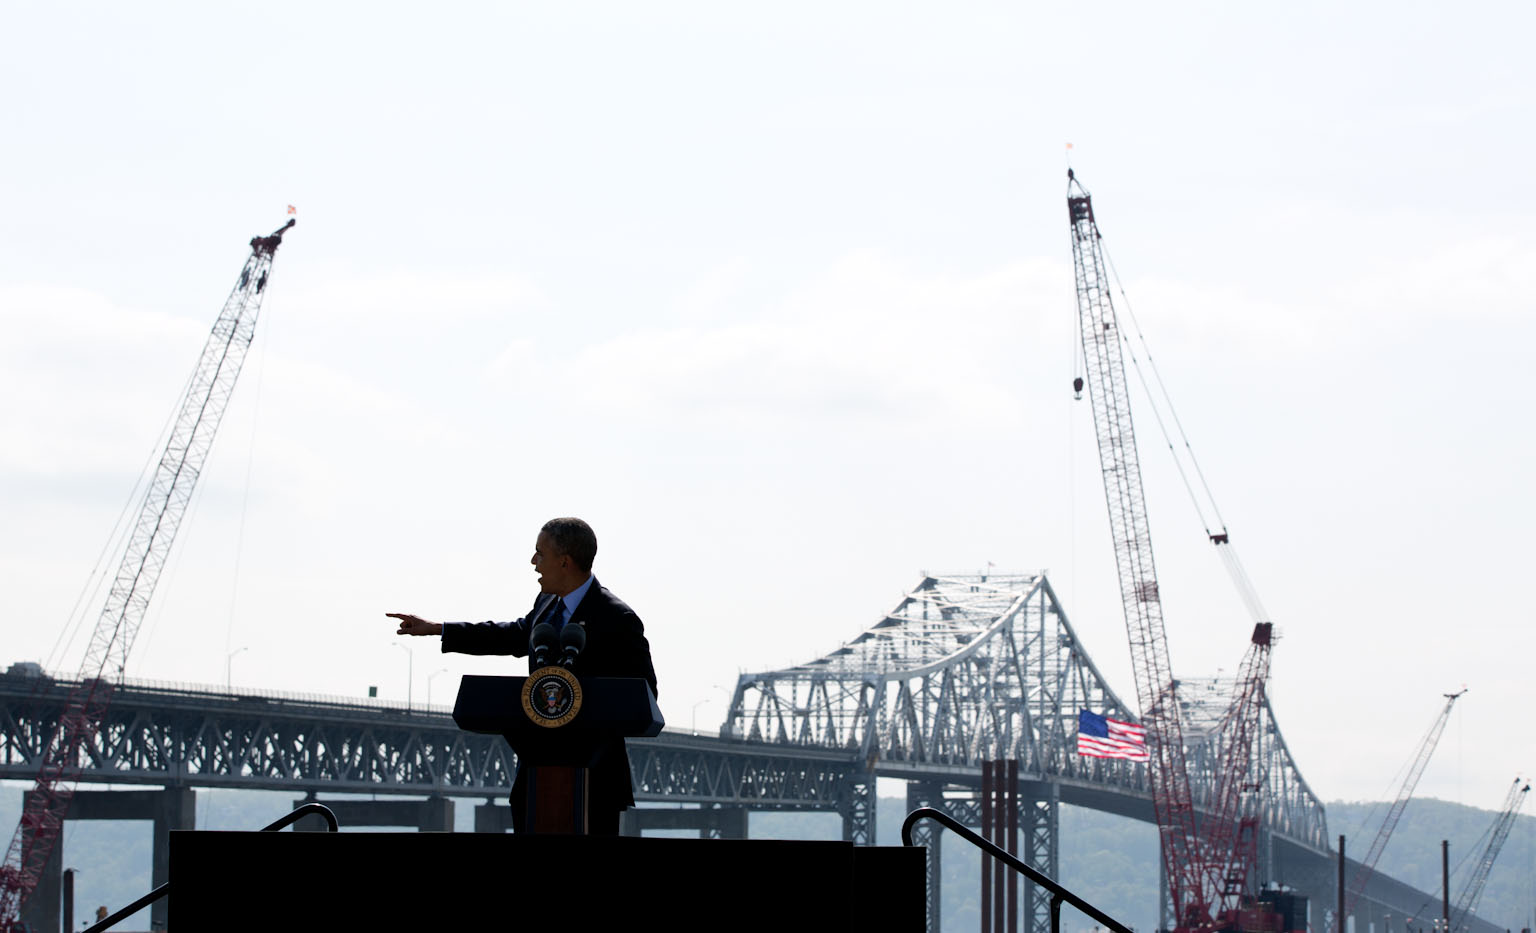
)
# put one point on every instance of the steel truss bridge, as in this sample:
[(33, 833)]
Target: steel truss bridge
[(966, 669)]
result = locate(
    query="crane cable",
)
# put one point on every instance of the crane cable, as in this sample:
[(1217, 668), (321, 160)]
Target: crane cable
[(245, 496), (1222, 539), (90, 591)]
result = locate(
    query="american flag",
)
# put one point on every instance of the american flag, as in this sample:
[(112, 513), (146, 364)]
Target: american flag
[(1102, 737)]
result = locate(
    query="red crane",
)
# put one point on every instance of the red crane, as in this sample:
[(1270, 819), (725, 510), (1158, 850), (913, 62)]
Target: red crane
[(165, 503), (1232, 826), (1207, 866)]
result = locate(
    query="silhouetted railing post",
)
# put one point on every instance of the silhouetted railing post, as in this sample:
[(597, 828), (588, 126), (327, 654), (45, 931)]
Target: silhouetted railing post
[(986, 860), (1013, 843)]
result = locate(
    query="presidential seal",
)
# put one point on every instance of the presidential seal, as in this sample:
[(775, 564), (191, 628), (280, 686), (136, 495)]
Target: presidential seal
[(551, 697)]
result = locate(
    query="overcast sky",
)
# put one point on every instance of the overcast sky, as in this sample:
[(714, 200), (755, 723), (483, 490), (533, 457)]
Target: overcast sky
[(780, 299)]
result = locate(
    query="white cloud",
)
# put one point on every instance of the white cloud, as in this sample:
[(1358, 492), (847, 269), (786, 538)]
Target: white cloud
[(412, 294), (1490, 280), (868, 339), (1483, 279), (713, 291), (85, 379)]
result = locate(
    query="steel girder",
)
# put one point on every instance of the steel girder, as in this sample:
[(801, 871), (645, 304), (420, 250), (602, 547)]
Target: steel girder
[(157, 734), (1289, 805), (966, 668), (707, 771), (970, 667)]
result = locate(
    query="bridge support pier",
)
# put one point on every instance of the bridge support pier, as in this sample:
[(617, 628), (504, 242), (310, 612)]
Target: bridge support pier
[(168, 809), (433, 815), (1039, 816), (1164, 901), (1039, 820), (493, 816), (1266, 866), (711, 822), (925, 833), (856, 804)]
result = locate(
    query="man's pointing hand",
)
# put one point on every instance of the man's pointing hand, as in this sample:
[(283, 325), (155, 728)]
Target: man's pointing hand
[(415, 625)]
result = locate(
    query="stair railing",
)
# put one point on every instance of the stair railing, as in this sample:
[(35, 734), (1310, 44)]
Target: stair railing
[(1059, 894), (165, 889)]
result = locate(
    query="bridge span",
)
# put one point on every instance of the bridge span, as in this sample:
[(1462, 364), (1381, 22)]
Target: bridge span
[(969, 668), (965, 669)]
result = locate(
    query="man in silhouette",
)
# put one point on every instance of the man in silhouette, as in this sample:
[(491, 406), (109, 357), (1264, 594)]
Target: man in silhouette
[(615, 647)]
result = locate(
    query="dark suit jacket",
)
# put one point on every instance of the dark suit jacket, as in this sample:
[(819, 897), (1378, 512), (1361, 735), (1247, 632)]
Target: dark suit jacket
[(616, 647)]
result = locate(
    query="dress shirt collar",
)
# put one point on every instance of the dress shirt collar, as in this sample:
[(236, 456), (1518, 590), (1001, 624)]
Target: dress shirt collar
[(574, 597)]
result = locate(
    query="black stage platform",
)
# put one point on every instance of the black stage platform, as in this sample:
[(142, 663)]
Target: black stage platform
[(436, 881)]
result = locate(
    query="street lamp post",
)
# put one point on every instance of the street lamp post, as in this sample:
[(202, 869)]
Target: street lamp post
[(229, 664), (429, 684), (694, 713), (410, 672)]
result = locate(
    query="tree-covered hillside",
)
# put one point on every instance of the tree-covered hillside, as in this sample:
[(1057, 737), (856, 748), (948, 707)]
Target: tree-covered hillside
[(1413, 853)]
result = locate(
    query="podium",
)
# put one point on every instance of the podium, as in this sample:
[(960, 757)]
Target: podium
[(560, 726)]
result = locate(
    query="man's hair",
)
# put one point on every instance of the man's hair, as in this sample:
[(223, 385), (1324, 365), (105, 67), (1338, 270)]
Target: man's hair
[(573, 538)]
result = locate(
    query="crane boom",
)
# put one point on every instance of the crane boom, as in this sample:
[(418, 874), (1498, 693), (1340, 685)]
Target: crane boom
[(1410, 781), (1466, 905), (1155, 685), (165, 504), (1232, 838)]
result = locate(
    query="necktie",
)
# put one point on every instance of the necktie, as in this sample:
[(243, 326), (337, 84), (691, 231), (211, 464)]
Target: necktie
[(557, 614)]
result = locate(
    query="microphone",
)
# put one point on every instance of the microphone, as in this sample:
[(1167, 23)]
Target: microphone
[(542, 640), (573, 639)]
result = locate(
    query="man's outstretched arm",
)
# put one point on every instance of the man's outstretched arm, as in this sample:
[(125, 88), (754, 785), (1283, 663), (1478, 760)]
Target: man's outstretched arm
[(467, 637)]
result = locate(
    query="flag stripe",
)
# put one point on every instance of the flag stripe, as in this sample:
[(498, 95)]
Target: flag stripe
[(1098, 748), (1102, 737), (1129, 753)]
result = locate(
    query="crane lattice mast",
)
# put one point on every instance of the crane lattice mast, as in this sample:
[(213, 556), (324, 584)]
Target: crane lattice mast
[(1232, 836), (1208, 866), (165, 503), (1155, 684), (1466, 905), (1389, 823)]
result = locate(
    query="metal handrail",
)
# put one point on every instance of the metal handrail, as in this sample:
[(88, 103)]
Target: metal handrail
[(131, 909), (300, 812), (165, 889), (1058, 893)]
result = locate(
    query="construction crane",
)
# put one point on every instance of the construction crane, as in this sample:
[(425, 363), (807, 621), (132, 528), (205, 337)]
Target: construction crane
[(1410, 781), (165, 504), (1466, 905), (1207, 874), (1232, 834)]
